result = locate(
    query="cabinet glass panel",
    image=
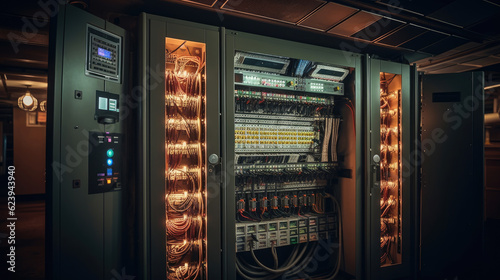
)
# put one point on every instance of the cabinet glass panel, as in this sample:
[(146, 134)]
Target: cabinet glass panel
[(390, 169), (185, 159)]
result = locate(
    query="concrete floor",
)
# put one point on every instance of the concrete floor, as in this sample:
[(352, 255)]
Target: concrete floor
[(30, 240), (490, 268)]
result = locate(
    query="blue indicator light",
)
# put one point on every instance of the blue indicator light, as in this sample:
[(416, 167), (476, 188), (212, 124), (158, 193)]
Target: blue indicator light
[(109, 172), (110, 162)]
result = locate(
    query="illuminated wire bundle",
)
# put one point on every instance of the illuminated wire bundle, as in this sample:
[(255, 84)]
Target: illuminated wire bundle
[(390, 150), (185, 207)]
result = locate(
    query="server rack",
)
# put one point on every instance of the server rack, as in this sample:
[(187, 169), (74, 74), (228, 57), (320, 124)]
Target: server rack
[(180, 224), (245, 138)]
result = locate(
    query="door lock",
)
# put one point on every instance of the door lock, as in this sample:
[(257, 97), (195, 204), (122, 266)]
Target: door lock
[(376, 170), (213, 159)]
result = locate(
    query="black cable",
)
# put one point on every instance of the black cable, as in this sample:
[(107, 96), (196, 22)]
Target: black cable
[(177, 47)]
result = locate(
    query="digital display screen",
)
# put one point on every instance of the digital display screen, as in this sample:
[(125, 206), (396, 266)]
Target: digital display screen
[(103, 53), (103, 103)]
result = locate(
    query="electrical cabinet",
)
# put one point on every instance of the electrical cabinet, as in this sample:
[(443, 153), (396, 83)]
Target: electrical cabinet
[(426, 158), (264, 158), (291, 156), (278, 177), (85, 147)]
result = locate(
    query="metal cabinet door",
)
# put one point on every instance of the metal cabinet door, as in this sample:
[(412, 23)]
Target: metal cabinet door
[(452, 161)]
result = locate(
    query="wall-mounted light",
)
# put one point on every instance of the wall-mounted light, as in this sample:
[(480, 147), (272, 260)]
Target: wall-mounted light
[(43, 106), (27, 102)]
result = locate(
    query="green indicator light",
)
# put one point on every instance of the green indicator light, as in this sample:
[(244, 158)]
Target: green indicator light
[(110, 153)]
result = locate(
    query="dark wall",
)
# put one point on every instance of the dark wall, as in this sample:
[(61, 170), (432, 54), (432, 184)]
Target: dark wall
[(29, 156)]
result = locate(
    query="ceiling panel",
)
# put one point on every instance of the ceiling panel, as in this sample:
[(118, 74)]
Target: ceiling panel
[(485, 61), (402, 35), (465, 12), (463, 48), (355, 23), (423, 7), (26, 76), (444, 45), (24, 83), (17, 22), (377, 29), (328, 16), (284, 10), (430, 68), (487, 27), (202, 2), (452, 69), (27, 56), (423, 40)]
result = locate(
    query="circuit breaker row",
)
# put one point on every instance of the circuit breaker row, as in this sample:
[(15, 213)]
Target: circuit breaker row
[(307, 107), (280, 187), (269, 137), (284, 168), (270, 96), (269, 205), (286, 231)]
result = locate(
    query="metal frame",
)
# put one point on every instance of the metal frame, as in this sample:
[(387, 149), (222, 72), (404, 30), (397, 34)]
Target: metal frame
[(409, 132), (154, 30), (240, 41)]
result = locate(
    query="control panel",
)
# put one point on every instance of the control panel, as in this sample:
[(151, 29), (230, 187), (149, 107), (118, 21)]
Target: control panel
[(104, 162)]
